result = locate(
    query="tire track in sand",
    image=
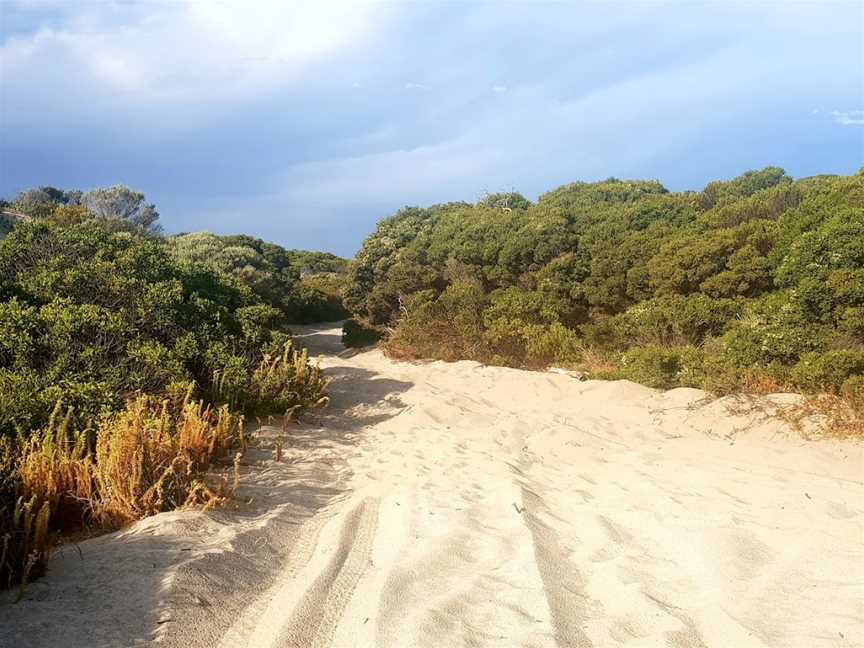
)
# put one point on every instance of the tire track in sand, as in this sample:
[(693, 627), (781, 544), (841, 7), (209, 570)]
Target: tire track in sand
[(562, 583), (314, 620)]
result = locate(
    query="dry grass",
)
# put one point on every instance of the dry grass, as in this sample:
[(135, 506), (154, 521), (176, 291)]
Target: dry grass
[(595, 364), (149, 460), (826, 415), (747, 381), (833, 415), (150, 457)]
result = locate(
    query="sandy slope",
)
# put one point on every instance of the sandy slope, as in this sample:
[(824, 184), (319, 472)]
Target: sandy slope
[(459, 505)]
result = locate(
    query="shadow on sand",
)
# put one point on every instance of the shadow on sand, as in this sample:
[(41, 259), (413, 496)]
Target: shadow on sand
[(155, 580)]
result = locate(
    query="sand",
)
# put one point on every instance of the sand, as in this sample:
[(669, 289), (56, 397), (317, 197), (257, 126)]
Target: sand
[(443, 505)]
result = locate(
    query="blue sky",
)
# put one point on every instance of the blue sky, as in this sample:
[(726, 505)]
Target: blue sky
[(305, 123)]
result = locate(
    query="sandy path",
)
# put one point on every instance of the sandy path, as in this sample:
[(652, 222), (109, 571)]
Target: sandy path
[(460, 505)]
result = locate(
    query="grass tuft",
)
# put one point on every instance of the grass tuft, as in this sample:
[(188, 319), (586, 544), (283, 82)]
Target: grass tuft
[(148, 458)]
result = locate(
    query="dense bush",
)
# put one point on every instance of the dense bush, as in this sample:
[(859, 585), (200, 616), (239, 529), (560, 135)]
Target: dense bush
[(663, 367), (271, 272), (755, 280), (106, 331), (828, 371), (91, 316), (316, 298), (666, 320)]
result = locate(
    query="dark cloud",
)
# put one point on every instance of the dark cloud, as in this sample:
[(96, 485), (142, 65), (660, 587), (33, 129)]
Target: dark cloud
[(305, 125)]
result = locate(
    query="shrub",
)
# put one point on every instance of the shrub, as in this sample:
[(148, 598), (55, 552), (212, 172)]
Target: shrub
[(279, 277), (828, 371), (667, 320), (553, 343), (91, 318), (759, 270), (771, 331), (758, 342), (316, 299), (447, 327), (744, 185), (662, 367), (355, 334), (94, 316), (286, 383), (853, 391)]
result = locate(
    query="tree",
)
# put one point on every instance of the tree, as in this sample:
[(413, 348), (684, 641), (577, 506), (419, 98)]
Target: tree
[(121, 204), (744, 185), (506, 200), (41, 202)]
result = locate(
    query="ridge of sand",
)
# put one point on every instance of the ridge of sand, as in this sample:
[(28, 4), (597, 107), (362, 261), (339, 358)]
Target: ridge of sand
[(441, 504)]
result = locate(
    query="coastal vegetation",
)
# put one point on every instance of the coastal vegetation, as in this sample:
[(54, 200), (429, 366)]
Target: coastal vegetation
[(754, 283), (128, 360)]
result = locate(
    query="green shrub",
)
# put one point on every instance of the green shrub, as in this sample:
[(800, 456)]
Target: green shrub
[(279, 277), (448, 326), (286, 383), (759, 342), (666, 320), (853, 391), (772, 331), (743, 186), (663, 367), (828, 371), (310, 303), (758, 271), (94, 316), (551, 344)]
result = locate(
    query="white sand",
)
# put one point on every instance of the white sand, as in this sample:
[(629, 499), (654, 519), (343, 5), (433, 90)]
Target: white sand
[(443, 505)]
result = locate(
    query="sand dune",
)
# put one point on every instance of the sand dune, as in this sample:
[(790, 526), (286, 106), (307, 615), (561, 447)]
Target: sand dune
[(460, 505)]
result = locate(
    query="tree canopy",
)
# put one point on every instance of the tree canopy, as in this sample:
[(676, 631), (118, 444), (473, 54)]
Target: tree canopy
[(757, 273)]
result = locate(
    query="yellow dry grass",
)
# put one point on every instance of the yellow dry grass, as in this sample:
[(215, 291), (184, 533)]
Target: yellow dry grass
[(148, 458)]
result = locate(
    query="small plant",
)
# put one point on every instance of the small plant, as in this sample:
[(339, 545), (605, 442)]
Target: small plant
[(24, 541), (55, 468), (286, 383), (149, 459), (663, 367)]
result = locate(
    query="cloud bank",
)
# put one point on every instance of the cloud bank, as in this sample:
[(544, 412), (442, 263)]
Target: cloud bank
[(307, 123)]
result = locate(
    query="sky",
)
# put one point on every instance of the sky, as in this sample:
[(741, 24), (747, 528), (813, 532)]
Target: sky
[(304, 123)]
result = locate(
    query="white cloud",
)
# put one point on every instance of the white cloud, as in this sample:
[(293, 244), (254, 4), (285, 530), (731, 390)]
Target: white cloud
[(848, 117), (415, 86), (198, 51), (499, 88)]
